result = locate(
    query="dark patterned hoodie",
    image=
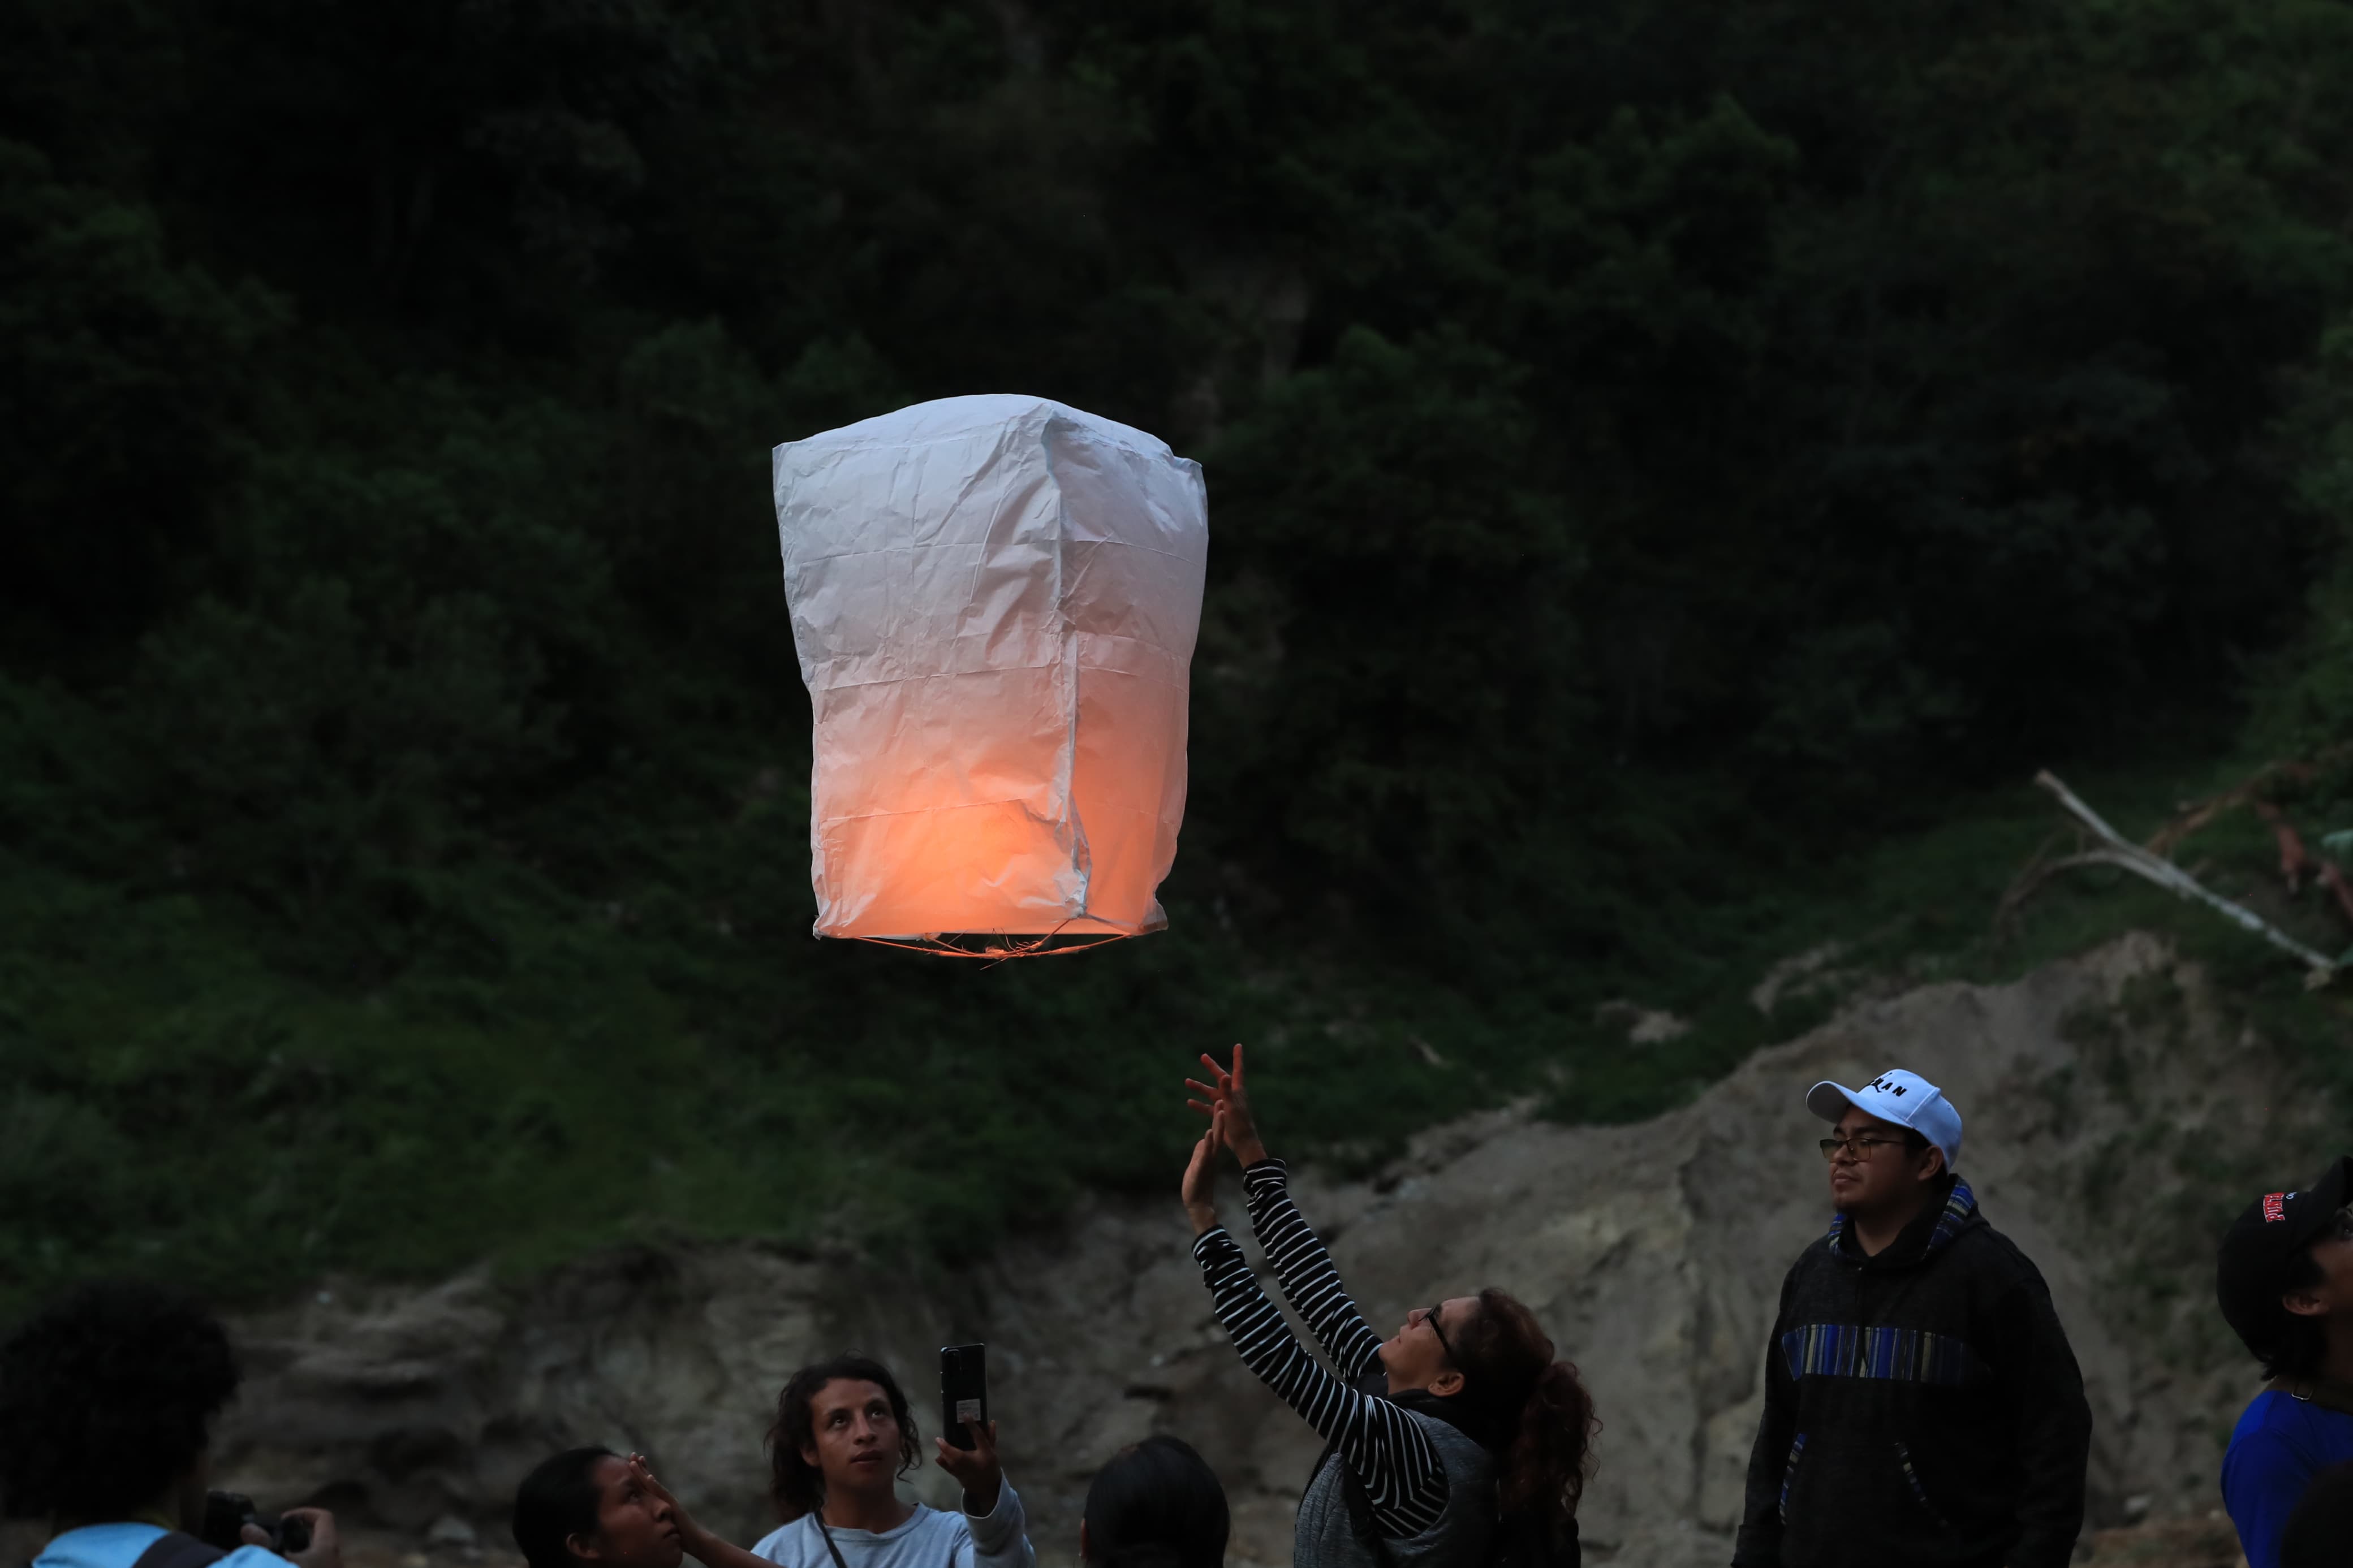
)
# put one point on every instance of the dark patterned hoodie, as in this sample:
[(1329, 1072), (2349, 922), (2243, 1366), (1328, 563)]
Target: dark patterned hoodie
[(1921, 1407)]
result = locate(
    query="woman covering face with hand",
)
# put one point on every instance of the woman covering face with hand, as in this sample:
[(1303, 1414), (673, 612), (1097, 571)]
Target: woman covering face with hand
[(1457, 1438), (590, 1508)]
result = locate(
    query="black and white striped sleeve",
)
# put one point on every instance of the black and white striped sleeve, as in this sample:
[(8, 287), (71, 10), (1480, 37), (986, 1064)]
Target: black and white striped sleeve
[(1310, 1283), (1380, 1444)]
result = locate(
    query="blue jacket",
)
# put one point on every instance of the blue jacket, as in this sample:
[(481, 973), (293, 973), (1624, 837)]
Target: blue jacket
[(2280, 1443), (119, 1545)]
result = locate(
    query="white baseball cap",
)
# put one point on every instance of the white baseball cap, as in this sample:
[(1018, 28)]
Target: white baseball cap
[(1904, 1097)]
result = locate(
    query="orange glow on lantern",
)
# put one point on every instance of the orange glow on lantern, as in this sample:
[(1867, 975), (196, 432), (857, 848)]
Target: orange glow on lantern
[(994, 601)]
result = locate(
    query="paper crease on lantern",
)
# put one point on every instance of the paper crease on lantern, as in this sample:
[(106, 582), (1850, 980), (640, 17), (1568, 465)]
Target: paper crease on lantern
[(995, 601)]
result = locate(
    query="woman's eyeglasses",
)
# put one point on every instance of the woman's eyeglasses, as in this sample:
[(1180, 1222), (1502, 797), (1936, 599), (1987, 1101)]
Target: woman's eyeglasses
[(1429, 1316)]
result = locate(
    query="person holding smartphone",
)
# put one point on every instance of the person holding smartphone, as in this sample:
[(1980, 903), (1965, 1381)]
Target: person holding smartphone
[(107, 1402), (1457, 1441), (843, 1438)]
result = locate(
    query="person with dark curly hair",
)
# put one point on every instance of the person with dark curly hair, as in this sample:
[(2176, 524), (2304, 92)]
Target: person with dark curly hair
[(107, 1399), (1459, 1440), (843, 1438)]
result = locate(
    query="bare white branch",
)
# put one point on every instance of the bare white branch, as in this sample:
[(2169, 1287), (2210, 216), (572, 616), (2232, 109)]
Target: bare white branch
[(2124, 854)]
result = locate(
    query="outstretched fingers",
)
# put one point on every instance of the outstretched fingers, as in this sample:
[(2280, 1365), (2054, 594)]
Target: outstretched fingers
[(1205, 1096)]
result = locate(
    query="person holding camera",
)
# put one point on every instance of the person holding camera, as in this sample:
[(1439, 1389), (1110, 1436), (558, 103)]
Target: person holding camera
[(107, 1401), (843, 1438)]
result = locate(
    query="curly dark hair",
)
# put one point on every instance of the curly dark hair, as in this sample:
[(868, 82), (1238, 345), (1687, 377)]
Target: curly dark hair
[(1532, 1411), (106, 1396), (797, 1485)]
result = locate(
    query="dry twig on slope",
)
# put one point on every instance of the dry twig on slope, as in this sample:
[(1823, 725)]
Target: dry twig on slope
[(2115, 849)]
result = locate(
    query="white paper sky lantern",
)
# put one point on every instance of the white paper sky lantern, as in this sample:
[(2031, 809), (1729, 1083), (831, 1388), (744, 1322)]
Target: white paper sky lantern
[(995, 601)]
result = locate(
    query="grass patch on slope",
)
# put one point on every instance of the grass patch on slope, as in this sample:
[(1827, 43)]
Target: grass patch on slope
[(1921, 907), (676, 1065)]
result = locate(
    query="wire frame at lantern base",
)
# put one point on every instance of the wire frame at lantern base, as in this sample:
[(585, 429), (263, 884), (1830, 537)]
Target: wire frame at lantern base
[(995, 948)]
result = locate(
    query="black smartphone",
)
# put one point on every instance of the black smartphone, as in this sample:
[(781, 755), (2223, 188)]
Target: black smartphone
[(963, 1392)]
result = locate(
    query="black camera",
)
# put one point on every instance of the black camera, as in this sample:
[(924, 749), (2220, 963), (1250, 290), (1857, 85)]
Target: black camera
[(227, 1513)]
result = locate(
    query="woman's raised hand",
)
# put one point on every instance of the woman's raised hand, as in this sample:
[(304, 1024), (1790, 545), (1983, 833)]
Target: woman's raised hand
[(694, 1539), (1200, 1189), (977, 1469), (1225, 1093), (690, 1534)]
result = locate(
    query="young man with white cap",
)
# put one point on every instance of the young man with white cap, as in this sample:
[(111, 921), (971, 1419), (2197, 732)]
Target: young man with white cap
[(2285, 1281), (1922, 1407)]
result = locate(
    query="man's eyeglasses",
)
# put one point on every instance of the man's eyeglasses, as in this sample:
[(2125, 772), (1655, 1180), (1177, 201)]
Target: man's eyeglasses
[(1857, 1148)]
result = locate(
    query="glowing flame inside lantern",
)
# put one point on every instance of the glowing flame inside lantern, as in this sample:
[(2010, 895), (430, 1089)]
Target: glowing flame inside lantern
[(995, 601)]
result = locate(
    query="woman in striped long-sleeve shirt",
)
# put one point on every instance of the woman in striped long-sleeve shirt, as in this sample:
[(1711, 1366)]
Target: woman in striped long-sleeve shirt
[(1457, 1439)]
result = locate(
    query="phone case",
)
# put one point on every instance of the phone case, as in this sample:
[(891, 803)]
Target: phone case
[(963, 1392)]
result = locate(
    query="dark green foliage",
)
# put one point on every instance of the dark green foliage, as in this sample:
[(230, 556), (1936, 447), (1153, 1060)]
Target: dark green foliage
[(121, 371), (1396, 487), (1660, 454), (2307, 708)]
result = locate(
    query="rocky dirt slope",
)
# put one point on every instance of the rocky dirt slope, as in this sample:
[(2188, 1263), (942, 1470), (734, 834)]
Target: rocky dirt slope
[(2110, 1120)]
